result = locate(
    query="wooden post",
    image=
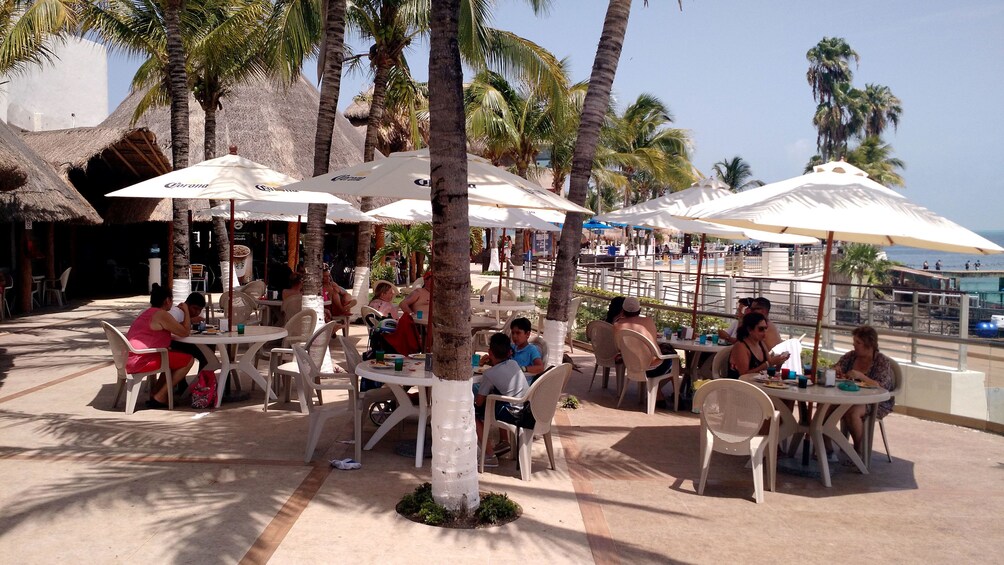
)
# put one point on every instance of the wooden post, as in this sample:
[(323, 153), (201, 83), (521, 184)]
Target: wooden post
[(26, 283), (50, 251)]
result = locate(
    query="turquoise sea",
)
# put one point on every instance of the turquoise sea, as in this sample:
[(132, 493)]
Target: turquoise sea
[(913, 257)]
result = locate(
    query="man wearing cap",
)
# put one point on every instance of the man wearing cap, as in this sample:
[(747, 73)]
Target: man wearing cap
[(633, 320)]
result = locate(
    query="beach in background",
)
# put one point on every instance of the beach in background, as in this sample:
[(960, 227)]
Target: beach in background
[(914, 258)]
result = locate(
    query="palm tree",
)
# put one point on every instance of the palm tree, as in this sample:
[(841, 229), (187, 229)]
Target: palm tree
[(640, 146), (863, 264), (327, 109), (829, 65), (882, 109), (561, 145), (454, 441), (838, 119), (410, 241), (875, 158), (594, 110), (736, 173), (28, 29), (178, 88)]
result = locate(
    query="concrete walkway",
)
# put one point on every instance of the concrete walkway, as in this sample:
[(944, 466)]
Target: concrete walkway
[(86, 483)]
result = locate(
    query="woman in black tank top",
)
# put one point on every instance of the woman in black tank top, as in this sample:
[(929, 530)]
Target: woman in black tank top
[(749, 354)]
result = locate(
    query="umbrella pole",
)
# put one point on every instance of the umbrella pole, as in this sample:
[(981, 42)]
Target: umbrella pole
[(697, 282), (268, 226), (822, 300), (230, 294), (502, 265)]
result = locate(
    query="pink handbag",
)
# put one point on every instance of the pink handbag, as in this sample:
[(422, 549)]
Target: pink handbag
[(204, 390)]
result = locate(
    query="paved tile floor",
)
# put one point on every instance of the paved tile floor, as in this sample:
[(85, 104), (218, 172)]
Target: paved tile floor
[(84, 482)]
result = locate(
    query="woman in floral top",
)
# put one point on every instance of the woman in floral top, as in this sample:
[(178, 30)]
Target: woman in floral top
[(865, 364)]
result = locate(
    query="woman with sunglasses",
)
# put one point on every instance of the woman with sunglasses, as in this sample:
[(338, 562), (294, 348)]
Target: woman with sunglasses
[(749, 354)]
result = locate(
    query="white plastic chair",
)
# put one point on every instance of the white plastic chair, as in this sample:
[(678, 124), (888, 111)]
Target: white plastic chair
[(364, 400), (720, 366), (308, 377), (732, 415), (317, 346), (638, 351), (57, 288), (254, 289), (132, 382), (245, 306), (543, 398), (5, 290), (600, 334), (298, 330), (897, 373)]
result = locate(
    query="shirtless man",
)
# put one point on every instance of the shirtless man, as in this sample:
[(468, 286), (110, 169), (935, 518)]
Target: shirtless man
[(762, 306)]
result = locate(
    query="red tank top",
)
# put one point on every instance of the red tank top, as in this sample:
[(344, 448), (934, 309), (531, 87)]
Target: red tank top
[(141, 336)]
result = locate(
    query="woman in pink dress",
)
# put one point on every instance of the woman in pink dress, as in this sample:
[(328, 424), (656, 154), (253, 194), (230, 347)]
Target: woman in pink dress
[(153, 329)]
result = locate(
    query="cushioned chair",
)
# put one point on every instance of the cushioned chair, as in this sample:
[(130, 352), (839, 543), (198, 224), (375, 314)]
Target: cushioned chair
[(543, 398), (732, 414), (720, 366), (638, 351), (317, 346), (600, 334), (56, 288), (308, 378), (132, 382)]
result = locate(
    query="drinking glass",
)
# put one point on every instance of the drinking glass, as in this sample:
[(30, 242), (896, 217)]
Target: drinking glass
[(379, 355), (703, 339), (475, 360), (240, 329), (399, 364)]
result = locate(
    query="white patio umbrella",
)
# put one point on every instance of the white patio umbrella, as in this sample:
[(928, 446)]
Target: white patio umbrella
[(286, 212), (405, 175), (838, 201), (420, 211), (230, 177), (661, 213)]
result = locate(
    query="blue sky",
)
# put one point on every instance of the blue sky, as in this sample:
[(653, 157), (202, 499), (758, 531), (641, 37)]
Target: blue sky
[(733, 73)]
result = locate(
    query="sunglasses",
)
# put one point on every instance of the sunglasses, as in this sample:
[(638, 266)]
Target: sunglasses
[(761, 328)]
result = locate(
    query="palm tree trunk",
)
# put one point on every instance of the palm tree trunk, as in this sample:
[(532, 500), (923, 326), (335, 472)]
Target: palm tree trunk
[(221, 237), (178, 85), (331, 79), (593, 110), (454, 459)]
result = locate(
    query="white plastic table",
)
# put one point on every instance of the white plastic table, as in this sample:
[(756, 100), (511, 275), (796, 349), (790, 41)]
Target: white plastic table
[(254, 336), (694, 346), (824, 422), (414, 374)]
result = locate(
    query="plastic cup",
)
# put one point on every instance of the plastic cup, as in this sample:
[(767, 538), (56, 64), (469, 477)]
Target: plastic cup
[(419, 314), (481, 299), (714, 339), (399, 364), (803, 381), (785, 373), (240, 329), (703, 339), (665, 332), (771, 372), (379, 355), (475, 360)]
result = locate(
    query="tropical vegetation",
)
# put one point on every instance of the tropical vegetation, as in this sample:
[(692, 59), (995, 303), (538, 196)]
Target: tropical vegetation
[(736, 173), (864, 264), (29, 30)]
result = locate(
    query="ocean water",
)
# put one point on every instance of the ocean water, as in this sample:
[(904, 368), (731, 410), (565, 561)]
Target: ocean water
[(914, 257)]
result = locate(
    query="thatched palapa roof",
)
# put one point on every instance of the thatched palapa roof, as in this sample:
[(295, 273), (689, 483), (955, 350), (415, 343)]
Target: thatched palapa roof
[(268, 124), (40, 194), (97, 160)]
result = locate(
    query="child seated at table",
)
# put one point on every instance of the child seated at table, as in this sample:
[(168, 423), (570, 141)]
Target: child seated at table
[(526, 354), (504, 377)]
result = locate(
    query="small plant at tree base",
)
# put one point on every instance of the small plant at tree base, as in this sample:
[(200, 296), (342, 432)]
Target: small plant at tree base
[(434, 514), (496, 508), (570, 403)]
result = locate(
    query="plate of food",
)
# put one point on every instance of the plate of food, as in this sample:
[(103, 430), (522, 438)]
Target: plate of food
[(381, 365), (393, 356), (480, 370), (212, 331), (417, 356), (865, 385), (775, 384)]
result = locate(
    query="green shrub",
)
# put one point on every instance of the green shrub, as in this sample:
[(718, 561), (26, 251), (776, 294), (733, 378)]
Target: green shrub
[(495, 508), (570, 403), (382, 273), (434, 514)]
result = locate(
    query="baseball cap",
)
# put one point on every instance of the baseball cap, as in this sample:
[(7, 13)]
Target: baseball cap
[(632, 305)]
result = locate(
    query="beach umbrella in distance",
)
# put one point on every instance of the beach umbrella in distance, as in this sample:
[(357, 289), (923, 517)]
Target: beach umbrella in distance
[(230, 177), (405, 175), (420, 211), (286, 212), (838, 201), (662, 213)]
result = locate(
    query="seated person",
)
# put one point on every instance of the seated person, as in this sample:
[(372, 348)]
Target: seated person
[(729, 336), (505, 378), (750, 354), (616, 309), (419, 299), (383, 295), (341, 300), (153, 330), (193, 305), (526, 354), (773, 337), (295, 286), (866, 364), (631, 319)]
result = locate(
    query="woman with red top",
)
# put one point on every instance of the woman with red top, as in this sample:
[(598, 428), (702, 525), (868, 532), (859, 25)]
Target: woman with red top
[(153, 329)]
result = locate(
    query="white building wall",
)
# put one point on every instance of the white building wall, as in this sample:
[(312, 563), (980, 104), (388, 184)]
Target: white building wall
[(71, 92)]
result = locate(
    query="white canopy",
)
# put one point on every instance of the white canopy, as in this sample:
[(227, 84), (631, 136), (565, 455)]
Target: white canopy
[(420, 211), (405, 175), (230, 177), (285, 212)]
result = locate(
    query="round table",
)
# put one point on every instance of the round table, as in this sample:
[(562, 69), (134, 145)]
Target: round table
[(693, 346), (824, 422), (414, 374), (254, 336)]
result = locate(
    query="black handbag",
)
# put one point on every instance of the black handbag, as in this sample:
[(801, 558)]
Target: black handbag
[(522, 415)]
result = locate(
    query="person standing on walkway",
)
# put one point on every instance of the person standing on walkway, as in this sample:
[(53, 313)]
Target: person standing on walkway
[(926, 266), (937, 265), (967, 265)]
